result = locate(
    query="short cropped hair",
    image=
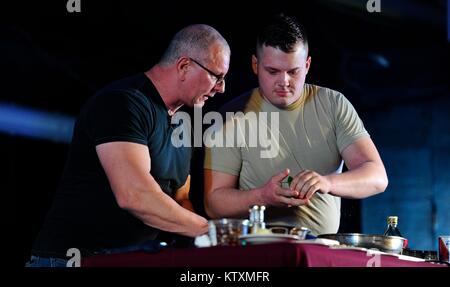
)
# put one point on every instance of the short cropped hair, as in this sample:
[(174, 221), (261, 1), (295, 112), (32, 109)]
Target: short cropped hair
[(282, 32), (193, 41)]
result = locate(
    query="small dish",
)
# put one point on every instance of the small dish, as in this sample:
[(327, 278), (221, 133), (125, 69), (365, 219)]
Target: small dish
[(268, 238)]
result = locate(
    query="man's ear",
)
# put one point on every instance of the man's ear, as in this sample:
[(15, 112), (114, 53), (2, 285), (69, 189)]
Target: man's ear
[(182, 67), (255, 64), (308, 63)]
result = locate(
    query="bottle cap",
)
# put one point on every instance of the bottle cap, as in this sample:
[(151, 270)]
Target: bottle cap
[(257, 213), (392, 220)]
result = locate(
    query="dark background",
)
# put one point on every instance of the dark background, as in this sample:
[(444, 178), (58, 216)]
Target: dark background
[(393, 66)]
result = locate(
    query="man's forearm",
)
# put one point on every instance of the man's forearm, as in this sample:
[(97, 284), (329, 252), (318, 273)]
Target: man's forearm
[(155, 208), (168, 215), (366, 180), (231, 202)]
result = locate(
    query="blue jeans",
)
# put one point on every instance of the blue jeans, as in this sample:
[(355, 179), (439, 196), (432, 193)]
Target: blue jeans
[(148, 246), (36, 261)]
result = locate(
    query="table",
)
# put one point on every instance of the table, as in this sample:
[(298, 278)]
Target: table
[(263, 255)]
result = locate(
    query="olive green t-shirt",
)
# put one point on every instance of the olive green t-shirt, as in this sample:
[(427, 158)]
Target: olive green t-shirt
[(309, 134)]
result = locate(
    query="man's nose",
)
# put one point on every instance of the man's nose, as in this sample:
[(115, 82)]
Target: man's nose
[(283, 80), (220, 88)]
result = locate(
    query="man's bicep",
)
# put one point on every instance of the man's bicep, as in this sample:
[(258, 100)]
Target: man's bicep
[(361, 151), (125, 164), (217, 179)]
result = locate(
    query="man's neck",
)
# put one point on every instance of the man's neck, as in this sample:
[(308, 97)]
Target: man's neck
[(161, 79)]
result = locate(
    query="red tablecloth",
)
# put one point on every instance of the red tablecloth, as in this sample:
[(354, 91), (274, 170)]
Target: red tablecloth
[(265, 255)]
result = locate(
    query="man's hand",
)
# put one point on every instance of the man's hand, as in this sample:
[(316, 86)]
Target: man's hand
[(308, 182), (273, 194)]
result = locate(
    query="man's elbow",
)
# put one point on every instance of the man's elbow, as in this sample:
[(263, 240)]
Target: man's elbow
[(381, 184), (124, 203), (126, 200), (210, 211)]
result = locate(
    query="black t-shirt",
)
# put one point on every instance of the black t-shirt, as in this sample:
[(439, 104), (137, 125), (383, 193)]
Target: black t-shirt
[(84, 213)]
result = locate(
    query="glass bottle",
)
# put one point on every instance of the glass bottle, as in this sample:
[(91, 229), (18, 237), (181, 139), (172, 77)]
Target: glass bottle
[(286, 182), (393, 230)]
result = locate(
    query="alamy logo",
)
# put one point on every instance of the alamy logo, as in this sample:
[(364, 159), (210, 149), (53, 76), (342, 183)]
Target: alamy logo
[(75, 260), (73, 6), (375, 261), (373, 6), (260, 130)]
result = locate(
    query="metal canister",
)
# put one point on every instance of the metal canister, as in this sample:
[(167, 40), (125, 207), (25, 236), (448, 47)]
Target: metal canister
[(444, 247), (256, 218)]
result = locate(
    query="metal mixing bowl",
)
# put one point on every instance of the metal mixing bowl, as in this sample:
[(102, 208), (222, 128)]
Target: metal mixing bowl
[(390, 244)]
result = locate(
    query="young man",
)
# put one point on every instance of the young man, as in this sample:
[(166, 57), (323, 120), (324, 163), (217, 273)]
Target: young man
[(316, 130)]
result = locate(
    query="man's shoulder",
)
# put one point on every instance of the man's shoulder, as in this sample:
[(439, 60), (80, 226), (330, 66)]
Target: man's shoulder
[(136, 89), (320, 91), (322, 95), (237, 104), (129, 85)]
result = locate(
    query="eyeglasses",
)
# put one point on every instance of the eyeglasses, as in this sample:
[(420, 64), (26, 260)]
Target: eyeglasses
[(219, 79)]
